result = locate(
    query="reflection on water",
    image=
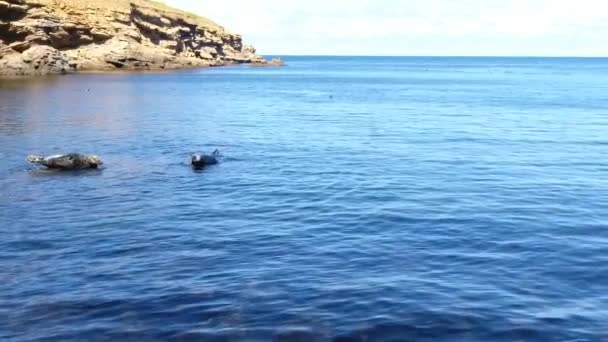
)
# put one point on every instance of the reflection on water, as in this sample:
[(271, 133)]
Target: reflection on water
[(44, 172), (46, 108), (357, 199)]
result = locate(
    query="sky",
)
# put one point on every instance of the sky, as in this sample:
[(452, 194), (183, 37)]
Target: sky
[(414, 27)]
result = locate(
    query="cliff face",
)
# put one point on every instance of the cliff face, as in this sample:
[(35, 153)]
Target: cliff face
[(57, 36)]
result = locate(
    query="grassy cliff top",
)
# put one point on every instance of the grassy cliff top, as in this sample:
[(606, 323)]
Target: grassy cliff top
[(153, 8)]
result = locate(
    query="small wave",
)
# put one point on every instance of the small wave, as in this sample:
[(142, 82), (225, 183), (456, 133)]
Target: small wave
[(29, 245)]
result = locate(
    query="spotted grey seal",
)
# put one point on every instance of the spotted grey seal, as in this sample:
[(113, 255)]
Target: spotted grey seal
[(200, 160), (71, 161)]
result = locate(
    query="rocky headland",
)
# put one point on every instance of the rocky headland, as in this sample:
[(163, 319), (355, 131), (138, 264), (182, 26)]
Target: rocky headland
[(39, 37)]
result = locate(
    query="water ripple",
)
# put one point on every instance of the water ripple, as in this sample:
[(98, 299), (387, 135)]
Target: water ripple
[(426, 199)]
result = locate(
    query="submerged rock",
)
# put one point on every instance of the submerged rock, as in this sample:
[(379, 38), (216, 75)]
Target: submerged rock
[(57, 36)]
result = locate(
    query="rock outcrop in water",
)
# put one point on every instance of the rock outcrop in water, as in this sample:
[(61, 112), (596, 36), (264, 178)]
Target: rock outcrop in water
[(40, 37)]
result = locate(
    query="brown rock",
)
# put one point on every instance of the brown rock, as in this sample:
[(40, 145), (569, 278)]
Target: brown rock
[(110, 34), (169, 44), (47, 60), (17, 8), (20, 46), (38, 60), (275, 62), (99, 34)]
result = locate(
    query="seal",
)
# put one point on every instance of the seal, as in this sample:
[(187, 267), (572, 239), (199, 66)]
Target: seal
[(200, 160), (71, 161)]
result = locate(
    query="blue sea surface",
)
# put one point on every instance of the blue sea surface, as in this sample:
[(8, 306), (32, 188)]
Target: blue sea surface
[(357, 199)]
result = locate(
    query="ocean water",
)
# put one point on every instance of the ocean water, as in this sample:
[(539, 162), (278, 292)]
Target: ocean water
[(357, 199)]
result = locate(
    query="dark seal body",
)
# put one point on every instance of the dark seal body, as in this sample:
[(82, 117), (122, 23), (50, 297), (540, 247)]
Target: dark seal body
[(200, 160), (71, 161)]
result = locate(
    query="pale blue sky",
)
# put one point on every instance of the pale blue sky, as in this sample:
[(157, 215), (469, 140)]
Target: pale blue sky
[(414, 27)]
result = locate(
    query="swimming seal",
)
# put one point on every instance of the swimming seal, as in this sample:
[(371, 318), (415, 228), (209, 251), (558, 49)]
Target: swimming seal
[(200, 160), (71, 161)]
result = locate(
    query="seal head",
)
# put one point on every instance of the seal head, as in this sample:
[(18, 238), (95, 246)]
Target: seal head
[(201, 160)]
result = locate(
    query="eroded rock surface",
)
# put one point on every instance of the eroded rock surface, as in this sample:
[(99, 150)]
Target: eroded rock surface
[(40, 37)]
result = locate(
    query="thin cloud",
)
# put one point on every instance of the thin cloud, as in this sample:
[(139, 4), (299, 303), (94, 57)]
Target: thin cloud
[(415, 27)]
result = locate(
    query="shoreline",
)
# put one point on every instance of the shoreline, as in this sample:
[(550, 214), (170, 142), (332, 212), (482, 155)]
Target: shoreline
[(159, 71)]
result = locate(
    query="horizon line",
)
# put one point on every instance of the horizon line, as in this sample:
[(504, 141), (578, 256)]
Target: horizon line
[(431, 56)]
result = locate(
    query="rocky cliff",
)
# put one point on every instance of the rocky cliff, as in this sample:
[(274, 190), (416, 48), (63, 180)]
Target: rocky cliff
[(59, 36)]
